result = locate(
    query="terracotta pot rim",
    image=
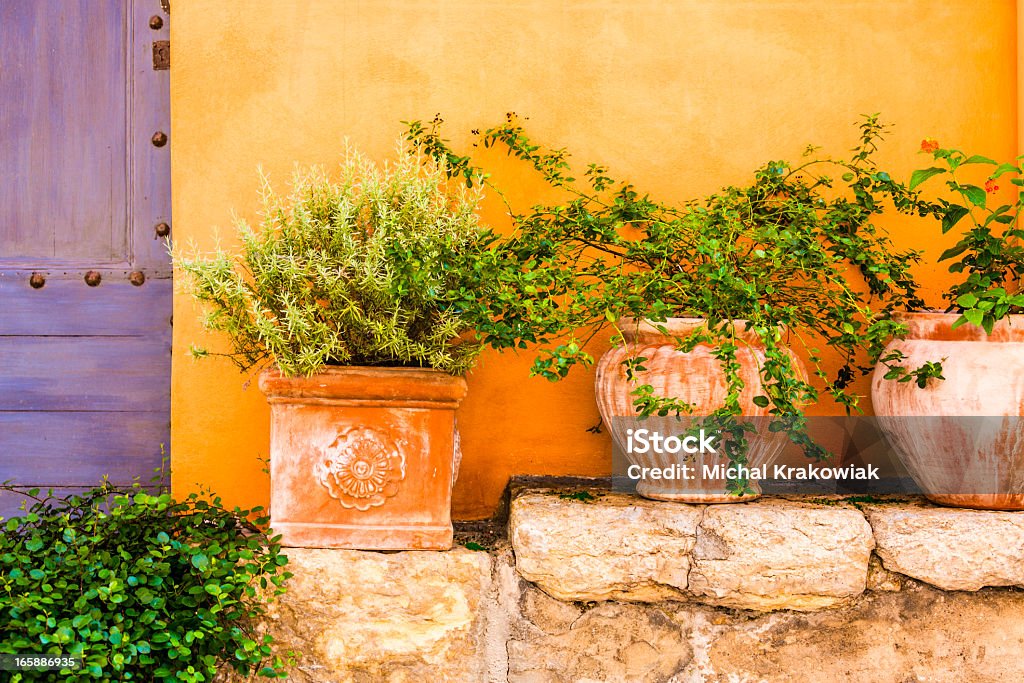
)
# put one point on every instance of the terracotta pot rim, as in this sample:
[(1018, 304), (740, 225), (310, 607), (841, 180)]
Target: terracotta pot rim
[(673, 319), (941, 312), (360, 382), (938, 326), (636, 329), (355, 369)]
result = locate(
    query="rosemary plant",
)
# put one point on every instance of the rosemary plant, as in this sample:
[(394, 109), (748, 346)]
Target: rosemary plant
[(347, 270)]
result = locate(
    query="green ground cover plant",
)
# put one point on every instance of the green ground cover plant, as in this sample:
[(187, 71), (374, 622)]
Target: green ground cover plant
[(138, 585)]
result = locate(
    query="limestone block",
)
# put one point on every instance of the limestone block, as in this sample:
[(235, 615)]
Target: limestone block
[(780, 554), (354, 616), (954, 549), (619, 547)]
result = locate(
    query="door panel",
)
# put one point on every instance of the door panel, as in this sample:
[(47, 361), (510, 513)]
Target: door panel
[(62, 66), (83, 373), (101, 441), (84, 370), (67, 307)]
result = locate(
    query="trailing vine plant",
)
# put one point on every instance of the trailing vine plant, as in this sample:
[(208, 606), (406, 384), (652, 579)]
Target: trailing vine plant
[(796, 255)]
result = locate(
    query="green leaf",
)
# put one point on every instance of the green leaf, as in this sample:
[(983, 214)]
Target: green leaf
[(761, 401), (200, 561), (923, 174), (967, 300), (978, 159), (974, 316), (1004, 168), (955, 250), (954, 213), (975, 195)]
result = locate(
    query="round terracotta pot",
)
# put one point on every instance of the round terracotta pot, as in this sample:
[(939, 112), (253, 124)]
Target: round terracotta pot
[(962, 438), (696, 378), (363, 457)]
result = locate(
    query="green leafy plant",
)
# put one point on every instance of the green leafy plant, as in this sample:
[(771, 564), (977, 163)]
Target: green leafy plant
[(348, 271), (139, 586), (796, 254), (990, 254)]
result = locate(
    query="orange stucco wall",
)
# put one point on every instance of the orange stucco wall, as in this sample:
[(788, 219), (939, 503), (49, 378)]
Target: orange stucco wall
[(680, 97)]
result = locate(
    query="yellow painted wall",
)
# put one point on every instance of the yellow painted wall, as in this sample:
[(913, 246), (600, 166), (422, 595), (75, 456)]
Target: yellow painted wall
[(681, 97)]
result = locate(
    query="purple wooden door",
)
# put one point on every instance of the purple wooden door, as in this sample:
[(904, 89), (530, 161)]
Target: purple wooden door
[(85, 289)]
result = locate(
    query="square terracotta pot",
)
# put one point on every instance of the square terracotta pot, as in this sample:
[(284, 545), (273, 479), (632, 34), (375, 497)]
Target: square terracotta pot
[(362, 457)]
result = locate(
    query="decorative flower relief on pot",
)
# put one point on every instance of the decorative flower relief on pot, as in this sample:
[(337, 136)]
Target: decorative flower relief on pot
[(362, 468)]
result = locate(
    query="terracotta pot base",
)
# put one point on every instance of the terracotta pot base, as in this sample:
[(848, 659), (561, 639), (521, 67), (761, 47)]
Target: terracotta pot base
[(695, 491), (364, 536), (695, 498), (980, 501)]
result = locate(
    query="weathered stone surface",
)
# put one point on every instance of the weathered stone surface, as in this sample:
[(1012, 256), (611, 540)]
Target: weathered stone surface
[(953, 549), (468, 616), (618, 548), (780, 554), (365, 616), (767, 555), (549, 615), (611, 642), (881, 579), (918, 634)]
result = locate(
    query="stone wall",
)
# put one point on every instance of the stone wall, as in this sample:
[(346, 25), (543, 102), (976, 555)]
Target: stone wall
[(617, 588)]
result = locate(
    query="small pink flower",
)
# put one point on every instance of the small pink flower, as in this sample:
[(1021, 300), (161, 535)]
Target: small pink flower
[(990, 185), (929, 145)]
